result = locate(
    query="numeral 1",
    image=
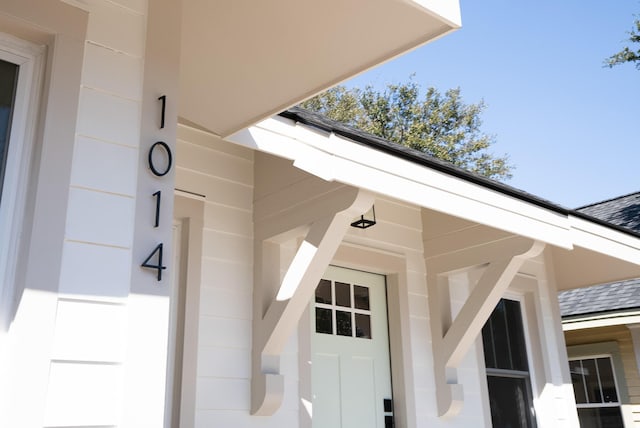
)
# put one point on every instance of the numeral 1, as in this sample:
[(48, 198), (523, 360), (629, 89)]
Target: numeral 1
[(164, 107), (158, 195)]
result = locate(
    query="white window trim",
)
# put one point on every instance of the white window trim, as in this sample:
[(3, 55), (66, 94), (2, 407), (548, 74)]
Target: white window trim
[(615, 381), (31, 59), (604, 349)]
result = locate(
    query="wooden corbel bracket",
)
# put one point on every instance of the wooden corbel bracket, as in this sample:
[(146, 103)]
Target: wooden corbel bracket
[(280, 302), (450, 344)]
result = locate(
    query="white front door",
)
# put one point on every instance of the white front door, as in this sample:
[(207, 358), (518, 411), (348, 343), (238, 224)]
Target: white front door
[(351, 376)]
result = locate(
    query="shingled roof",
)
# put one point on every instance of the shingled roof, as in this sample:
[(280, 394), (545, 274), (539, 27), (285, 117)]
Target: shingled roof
[(623, 211), (616, 296)]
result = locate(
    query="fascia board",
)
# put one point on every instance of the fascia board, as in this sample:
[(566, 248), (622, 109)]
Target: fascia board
[(446, 10), (594, 321), (335, 158), (601, 239)]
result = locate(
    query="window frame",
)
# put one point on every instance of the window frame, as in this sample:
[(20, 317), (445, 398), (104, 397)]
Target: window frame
[(527, 376), (615, 382), (30, 59)]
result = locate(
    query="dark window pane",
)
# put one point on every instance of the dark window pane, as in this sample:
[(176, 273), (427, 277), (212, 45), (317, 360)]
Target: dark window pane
[(510, 405), (343, 323), (363, 326), (503, 338), (500, 337), (607, 383), (515, 330), (323, 292), (343, 294), (8, 82), (324, 323), (600, 417), (487, 343), (361, 297), (591, 380), (575, 368)]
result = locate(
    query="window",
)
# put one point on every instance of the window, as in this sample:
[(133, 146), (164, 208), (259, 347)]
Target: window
[(8, 84), (20, 71), (340, 306), (596, 393), (507, 367)]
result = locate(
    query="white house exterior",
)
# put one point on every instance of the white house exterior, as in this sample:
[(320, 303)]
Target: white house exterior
[(142, 133)]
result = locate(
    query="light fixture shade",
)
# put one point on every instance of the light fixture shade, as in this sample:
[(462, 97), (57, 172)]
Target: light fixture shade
[(368, 221)]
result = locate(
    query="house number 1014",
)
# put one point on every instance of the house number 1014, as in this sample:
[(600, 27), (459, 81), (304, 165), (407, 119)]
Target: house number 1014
[(158, 149)]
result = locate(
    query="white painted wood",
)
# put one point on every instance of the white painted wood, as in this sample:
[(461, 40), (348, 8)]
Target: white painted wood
[(216, 163), (225, 332), (31, 311), (221, 191), (206, 139), (635, 337), (323, 57), (101, 218), (368, 168), (95, 162), (225, 302), (228, 219), (84, 395), (84, 273), (454, 334), (110, 118), (351, 376), (217, 362), (90, 332), (130, 37), (30, 60), (112, 71)]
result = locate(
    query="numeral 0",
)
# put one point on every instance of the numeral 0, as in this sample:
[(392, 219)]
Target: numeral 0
[(167, 151)]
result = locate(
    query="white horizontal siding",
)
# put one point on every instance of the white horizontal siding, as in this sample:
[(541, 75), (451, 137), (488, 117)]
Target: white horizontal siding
[(82, 394), (105, 166), (86, 383), (223, 173)]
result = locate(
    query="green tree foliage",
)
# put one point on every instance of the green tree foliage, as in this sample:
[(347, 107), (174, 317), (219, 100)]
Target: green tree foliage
[(628, 55), (440, 125)]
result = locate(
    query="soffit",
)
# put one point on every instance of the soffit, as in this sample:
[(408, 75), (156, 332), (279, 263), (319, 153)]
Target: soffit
[(242, 61)]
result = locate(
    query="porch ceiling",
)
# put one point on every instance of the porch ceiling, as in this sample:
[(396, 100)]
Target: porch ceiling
[(242, 61)]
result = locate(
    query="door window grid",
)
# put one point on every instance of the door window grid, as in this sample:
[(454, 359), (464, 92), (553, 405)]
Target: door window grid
[(339, 306)]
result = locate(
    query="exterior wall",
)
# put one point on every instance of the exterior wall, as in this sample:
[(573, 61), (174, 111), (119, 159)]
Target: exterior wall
[(225, 174), (85, 340), (90, 332), (622, 336), (86, 382)]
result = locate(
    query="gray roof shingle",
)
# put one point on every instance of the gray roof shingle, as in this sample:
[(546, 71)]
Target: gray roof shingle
[(615, 296), (623, 211)]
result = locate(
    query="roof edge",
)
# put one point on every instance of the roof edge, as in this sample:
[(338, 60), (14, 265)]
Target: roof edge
[(322, 123)]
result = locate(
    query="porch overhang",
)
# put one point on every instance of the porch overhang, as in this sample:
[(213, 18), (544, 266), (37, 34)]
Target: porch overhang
[(583, 252), (242, 61)]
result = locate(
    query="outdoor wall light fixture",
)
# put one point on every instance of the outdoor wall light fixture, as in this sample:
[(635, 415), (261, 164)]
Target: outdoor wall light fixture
[(363, 222)]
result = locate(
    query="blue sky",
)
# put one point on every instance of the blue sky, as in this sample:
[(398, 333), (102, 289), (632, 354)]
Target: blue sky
[(570, 126)]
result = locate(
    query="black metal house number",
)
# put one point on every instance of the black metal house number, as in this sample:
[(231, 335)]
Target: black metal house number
[(154, 260)]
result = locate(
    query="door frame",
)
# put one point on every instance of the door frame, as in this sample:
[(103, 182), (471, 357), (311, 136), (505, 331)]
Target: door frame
[(189, 213), (393, 266)]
